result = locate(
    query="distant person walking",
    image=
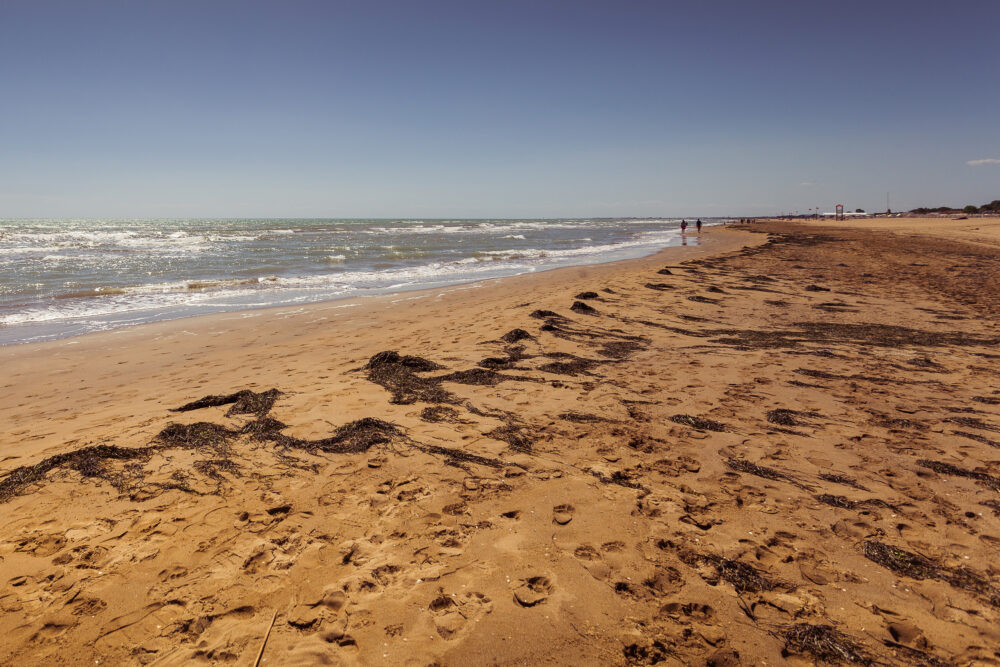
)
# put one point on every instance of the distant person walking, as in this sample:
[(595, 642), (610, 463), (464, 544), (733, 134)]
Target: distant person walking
[(698, 225), (684, 226)]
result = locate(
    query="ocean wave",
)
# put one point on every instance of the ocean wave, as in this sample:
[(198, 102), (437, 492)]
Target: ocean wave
[(165, 287), (27, 242), (86, 270), (22, 250), (491, 228)]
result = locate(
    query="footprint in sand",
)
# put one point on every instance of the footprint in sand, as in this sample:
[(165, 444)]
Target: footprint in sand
[(452, 613), (173, 572), (905, 632), (664, 581), (562, 514), (89, 607), (455, 509), (533, 591), (337, 634), (311, 613), (593, 562), (51, 631), (42, 545), (688, 610)]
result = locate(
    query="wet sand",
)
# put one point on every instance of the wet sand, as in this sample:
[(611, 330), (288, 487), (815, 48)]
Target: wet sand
[(781, 445)]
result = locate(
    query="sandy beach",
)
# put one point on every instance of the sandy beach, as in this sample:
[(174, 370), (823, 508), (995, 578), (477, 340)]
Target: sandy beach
[(780, 445)]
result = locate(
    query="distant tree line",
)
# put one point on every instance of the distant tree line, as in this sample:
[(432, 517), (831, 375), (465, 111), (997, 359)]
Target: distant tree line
[(992, 207)]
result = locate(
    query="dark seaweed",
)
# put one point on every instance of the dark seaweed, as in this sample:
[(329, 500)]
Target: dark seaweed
[(744, 578), (575, 366), (581, 307), (514, 435), (244, 402), (823, 643), (844, 503), (399, 375), (783, 417), (978, 438), (354, 437), (740, 465), (88, 461), (916, 566), (545, 314), (618, 349), (699, 423), (199, 434), (515, 335), (988, 400), (457, 455), (949, 469), (583, 418), (973, 422), (478, 376), (439, 413), (415, 364)]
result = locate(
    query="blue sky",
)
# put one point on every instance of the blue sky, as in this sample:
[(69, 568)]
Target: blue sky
[(494, 109)]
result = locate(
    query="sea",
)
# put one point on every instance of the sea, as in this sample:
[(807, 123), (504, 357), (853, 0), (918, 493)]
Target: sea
[(67, 277)]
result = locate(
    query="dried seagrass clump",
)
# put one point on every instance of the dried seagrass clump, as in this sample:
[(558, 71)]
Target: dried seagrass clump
[(845, 503), (399, 375), (782, 417), (699, 423), (823, 643), (513, 435), (199, 434), (354, 437), (245, 402), (917, 566), (414, 363), (88, 461), (515, 335)]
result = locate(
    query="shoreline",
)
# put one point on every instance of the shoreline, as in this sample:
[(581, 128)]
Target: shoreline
[(601, 464), (124, 298), (352, 301)]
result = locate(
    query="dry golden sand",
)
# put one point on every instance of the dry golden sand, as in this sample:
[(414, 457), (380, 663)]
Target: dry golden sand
[(781, 445)]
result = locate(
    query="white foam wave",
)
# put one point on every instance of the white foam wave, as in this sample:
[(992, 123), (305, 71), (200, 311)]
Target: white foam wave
[(124, 252), (492, 228), (23, 250), (27, 242)]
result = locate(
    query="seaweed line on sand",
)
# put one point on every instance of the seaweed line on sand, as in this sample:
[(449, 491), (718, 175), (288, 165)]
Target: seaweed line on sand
[(916, 566), (823, 643)]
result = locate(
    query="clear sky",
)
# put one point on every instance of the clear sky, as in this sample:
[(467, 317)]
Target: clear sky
[(425, 108)]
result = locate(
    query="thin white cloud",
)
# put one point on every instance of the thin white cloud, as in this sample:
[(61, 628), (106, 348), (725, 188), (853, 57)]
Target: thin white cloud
[(980, 163), (807, 184)]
